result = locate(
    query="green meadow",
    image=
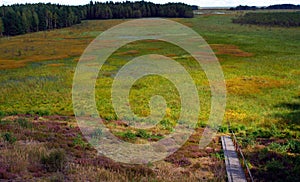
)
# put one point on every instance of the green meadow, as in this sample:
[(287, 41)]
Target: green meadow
[(261, 66)]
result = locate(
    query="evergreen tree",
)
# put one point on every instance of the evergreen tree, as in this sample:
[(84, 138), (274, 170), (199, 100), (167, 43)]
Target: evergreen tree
[(35, 22), (1, 27), (19, 19)]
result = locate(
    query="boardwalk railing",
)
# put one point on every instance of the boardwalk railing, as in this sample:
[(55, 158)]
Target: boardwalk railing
[(235, 172), (244, 162)]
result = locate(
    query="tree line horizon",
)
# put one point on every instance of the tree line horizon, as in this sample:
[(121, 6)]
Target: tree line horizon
[(20, 19)]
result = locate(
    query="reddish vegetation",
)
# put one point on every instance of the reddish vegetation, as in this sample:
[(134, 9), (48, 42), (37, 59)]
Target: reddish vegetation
[(231, 50), (60, 138), (131, 52)]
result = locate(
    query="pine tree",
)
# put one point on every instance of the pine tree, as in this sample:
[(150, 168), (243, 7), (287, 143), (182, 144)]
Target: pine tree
[(1, 27), (35, 22), (20, 19)]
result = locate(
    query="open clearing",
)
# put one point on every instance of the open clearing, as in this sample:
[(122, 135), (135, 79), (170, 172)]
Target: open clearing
[(261, 67)]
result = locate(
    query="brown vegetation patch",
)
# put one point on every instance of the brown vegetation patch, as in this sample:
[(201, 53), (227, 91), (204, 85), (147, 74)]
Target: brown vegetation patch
[(153, 49), (150, 40), (56, 65), (16, 52), (131, 52), (53, 147), (223, 49), (171, 55), (10, 64), (180, 20), (252, 85)]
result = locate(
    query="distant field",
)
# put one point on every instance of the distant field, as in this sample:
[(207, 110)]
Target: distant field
[(261, 67)]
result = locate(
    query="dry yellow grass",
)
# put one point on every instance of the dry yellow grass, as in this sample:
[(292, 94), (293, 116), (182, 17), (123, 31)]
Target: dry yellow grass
[(252, 85), (20, 156), (233, 115)]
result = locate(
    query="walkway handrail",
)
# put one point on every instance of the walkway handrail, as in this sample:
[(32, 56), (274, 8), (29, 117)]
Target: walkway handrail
[(237, 147)]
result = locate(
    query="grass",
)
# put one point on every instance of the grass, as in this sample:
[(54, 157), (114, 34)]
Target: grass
[(260, 65)]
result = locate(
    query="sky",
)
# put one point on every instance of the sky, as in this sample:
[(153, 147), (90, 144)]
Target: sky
[(202, 3)]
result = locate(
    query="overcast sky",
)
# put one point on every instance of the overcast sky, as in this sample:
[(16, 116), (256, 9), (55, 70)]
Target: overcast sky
[(203, 3)]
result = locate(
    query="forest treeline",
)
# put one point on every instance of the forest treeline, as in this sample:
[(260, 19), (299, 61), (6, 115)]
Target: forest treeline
[(272, 7), (284, 19), (20, 19)]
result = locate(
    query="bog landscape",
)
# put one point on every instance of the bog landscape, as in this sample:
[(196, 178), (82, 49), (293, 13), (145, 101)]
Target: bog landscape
[(259, 52)]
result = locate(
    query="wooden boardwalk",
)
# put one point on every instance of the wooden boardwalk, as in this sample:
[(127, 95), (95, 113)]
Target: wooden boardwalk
[(235, 172)]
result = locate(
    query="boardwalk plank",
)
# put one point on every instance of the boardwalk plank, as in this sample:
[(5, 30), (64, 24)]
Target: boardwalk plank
[(234, 169)]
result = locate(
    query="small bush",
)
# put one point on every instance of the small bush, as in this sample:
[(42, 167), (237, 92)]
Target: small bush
[(277, 147), (129, 135), (167, 125), (78, 141), (201, 125), (219, 155), (143, 134), (238, 128), (246, 141), (55, 160), (24, 123), (262, 133), (223, 129), (274, 166), (293, 146), (8, 137), (2, 113)]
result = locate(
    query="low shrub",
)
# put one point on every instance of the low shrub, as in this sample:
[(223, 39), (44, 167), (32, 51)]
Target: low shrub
[(223, 129), (55, 160), (129, 135), (24, 123), (293, 146), (167, 125), (274, 166), (9, 137), (143, 134), (277, 147), (78, 141)]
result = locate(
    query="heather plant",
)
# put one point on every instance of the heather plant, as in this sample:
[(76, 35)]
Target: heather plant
[(55, 160)]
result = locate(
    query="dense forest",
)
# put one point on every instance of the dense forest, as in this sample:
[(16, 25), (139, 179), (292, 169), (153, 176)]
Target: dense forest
[(273, 7), (284, 19), (20, 19)]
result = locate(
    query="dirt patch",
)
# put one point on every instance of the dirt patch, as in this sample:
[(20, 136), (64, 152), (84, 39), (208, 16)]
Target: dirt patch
[(232, 50), (252, 85)]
